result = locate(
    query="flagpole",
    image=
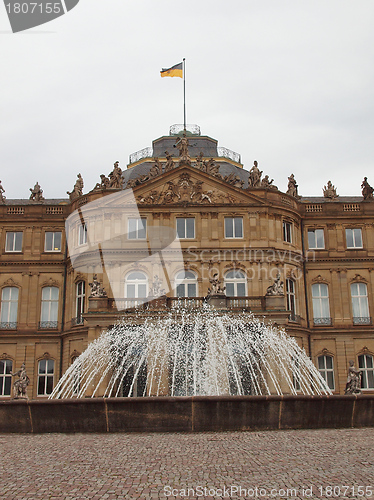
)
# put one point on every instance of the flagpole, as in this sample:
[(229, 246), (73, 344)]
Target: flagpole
[(184, 91)]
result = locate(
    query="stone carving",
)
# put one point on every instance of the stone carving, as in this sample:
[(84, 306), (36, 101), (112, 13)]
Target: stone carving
[(266, 183), (96, 289), (216, 288), (210, 167), (292, 187), (78, 188), (182, 146), (2, 191), (103, 184), (277, 288), (36, 193), (169, 165), (20, 385), (115, 177), (329, 191), (354, 380), (155, 289), (199, 161), (234, 180), (367, 190), (254, 176)]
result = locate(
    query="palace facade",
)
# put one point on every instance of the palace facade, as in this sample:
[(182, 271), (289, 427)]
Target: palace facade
[(183, 213)]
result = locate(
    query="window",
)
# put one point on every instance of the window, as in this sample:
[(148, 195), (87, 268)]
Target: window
[(52, 241), (82, 234), (14, 242), (365, 364), (287, 232), (137, 229), (326, 369), (186, 228), (233, 227), (45, 377), (316, 238), (49, 307), (136, 286), (80, 299), (9, 307), (321, 307), (236, 283), (291, 296), (186, 284), (353, 238), (360, 305), (5, 377)]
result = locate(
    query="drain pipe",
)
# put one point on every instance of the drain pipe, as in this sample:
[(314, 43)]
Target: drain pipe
[(63, 303), (306, 289)]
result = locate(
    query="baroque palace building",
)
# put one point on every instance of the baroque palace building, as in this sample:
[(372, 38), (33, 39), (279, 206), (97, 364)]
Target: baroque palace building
[(183, 214)]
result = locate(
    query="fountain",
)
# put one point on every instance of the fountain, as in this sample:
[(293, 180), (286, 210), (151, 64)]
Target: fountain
[(200, 352)]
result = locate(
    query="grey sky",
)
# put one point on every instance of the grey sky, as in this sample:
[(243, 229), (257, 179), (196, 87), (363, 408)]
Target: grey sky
[(288, 83)]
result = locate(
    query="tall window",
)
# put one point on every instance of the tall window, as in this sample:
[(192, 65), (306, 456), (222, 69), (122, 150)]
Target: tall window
[(136, 286), (360, 304), (291, 295), (326, 369), (13, 241), (186, 284), (52, 241), (321, 307), (287, 232), (82, 234), (49, 313), (365, 364), (353, 238), (137, 229), (236, 283), (45, 377), (9, 307), (5, 377), (80, 299), (316, 238), (233, 227), (185, 227)]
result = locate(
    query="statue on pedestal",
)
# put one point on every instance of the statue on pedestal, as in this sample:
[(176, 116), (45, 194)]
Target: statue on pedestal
[(96, 289), (216, 288), (2, 197), (20, 385), (182, 145), (367, 190), (155, 289), (354, 380), (254, 176), (78, 188), (115, 177), (292, 186), (277, 288), (169, 165), (330, 191), (36, 193)]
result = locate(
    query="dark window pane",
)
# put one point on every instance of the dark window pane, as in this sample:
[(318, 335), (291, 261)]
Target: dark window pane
[(41, 383), (57, 242), (8, 386), (190, 230), (49, 385), (238, 227), (42, 366), (181, 230)]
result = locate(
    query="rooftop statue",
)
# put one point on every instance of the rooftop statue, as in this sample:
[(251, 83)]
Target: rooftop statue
[(20, 385), (78, 188), (169, 165), (115, 177), (104, 182), (292, 187), (210, 167), (330, 191), (36, 193), (266, 182), (254, 176), (182, 145), (367, 190), (353, 381), (2, 197)]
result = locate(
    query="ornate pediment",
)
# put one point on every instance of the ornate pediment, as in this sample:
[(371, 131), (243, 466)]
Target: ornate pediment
[(11, 282)]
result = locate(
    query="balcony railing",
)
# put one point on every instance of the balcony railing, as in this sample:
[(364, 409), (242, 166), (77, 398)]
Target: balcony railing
[(8, 325), (48, 325), (241, 303), (322, 321), (362, 320), (185, 302)]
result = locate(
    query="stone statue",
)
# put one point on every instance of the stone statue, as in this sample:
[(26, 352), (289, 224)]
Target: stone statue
[(182, 145), (354, 380), (266, 182), (36, 193), (199, 161), (254, 176), (216, 288), (156, 169), (211, 167), (367, 190), (2, 197), (234, 180), (155, 289), (292, 187), (104, 182), (96, 289), (78, 188), (330, 191), (115, 177), (169, 165), (277, 288), (20, 385)]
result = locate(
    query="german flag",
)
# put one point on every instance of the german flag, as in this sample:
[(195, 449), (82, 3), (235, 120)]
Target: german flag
[(176, 70)]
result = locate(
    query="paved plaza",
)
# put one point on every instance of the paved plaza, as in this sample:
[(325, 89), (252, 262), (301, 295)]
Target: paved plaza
[(275, 464)]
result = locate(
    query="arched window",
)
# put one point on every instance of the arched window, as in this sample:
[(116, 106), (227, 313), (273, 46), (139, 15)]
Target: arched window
[(136, 286), (9, 307), (236, 283), (6, 366), (49, 314), (80, 301), (366, 366), (46, 368), (291, 295), (186, 284), (321, 307), (326, 369), (360, 304)]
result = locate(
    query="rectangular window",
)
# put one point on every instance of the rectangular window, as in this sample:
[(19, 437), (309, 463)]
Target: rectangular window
[(137, 229), (326, 369), (287, 232), (233, 227), (45, 377), (52, 241), (5, 377), (14, 241), (316, 238), (186, 228), (353, 238), (82, 234)]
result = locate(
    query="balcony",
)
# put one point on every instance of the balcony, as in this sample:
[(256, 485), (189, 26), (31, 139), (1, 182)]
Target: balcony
[(362, 320), (8, 325), (48, 325), (322, 321)]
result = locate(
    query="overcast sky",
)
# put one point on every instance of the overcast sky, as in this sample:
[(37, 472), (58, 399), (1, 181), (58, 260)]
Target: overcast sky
[(288, 83)]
